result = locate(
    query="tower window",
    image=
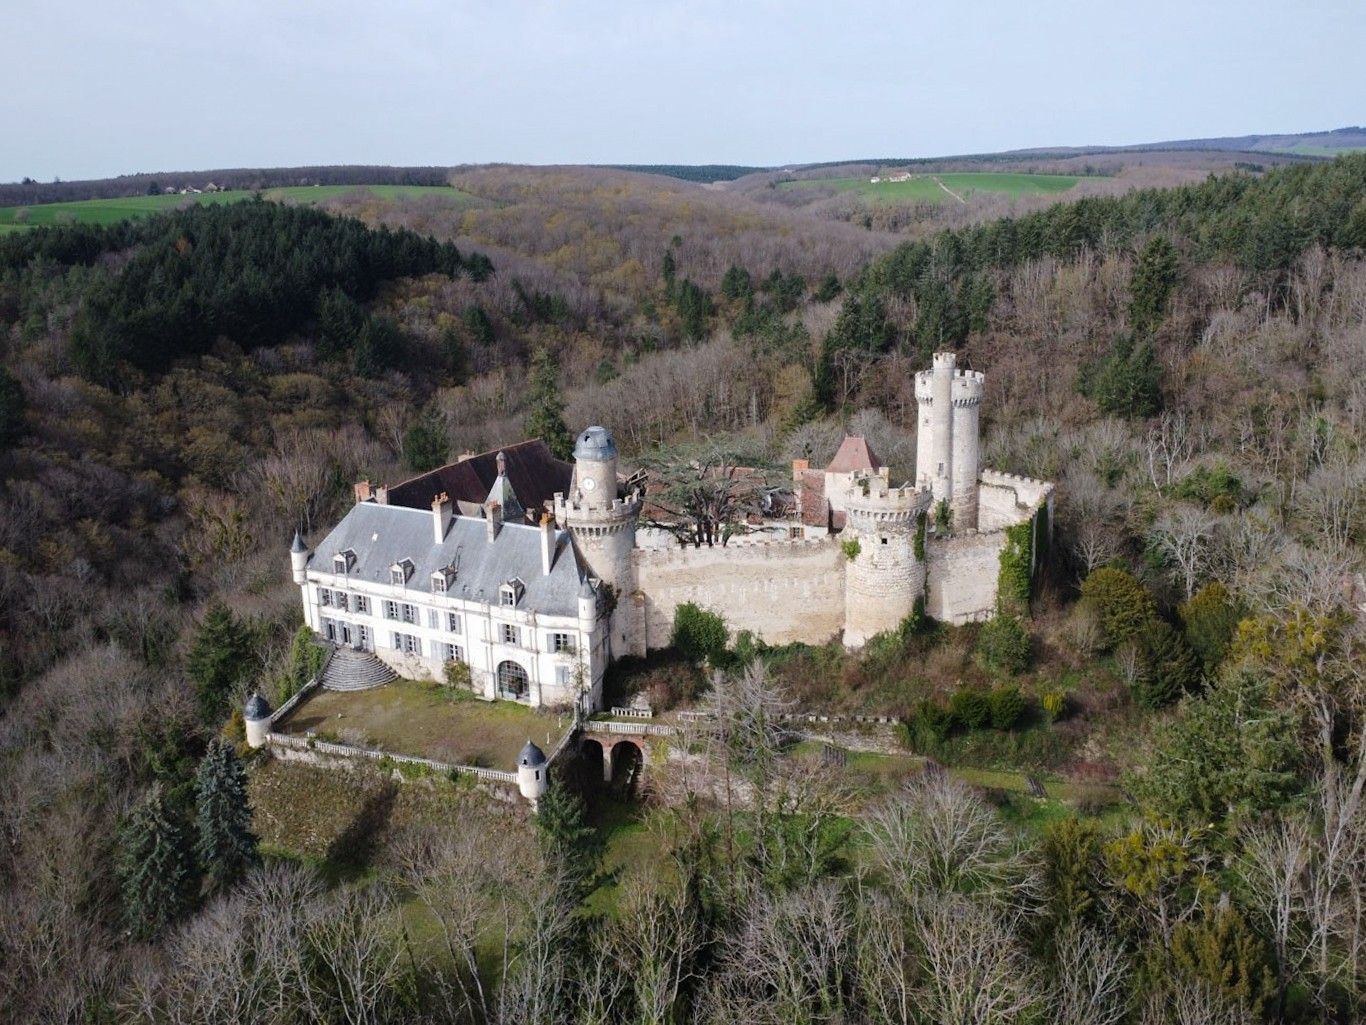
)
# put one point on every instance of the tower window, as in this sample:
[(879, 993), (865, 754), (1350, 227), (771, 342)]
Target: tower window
[(884, 540)]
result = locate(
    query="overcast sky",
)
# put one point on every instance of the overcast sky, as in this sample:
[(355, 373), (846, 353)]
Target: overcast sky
[(91, 88)]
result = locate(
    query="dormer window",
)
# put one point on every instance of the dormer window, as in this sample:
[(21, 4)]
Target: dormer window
[(343, 561), (511, 593), (400, 571), (442, 580)]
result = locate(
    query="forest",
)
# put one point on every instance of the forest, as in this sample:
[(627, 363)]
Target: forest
[(179, 394)]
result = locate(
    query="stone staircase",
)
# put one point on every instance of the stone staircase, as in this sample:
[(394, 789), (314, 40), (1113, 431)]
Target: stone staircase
[(355, 670)]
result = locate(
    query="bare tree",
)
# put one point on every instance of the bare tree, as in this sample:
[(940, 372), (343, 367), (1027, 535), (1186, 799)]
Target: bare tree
[(1276, 859), (660, 938), (1089, 984), (975, 970), (1169, 447), (1185, 535)]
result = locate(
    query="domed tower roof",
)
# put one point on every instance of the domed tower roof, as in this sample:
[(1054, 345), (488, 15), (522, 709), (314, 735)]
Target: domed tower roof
[(595, 443), (298, 545), (532, 757), (258, 708)]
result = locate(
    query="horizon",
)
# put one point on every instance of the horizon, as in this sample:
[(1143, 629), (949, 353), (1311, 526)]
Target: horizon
[(153, 88)]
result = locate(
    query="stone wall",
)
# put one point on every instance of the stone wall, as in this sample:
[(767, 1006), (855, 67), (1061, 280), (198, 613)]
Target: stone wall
[(963, 573), (781, 591), (1005, 499)]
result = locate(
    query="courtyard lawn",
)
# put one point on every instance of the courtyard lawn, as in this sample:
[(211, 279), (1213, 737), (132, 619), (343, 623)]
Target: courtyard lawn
[(109, 211), (936, 188), (427, 720)]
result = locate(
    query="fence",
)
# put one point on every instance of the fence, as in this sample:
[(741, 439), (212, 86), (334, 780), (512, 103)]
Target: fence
[(649, 729), (632, 713), (327, 747), (303, 691)]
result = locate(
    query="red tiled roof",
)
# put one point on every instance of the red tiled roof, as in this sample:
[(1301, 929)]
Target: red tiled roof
[(854, 454), (535, 476)]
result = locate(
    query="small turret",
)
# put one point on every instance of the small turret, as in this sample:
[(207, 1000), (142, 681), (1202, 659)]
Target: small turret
[(533, 777), (257, 717), (298, 558)]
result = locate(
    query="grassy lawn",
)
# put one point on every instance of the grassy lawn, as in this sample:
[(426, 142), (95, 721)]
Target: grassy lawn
[(414, 718), (108, 211), (926, 187)]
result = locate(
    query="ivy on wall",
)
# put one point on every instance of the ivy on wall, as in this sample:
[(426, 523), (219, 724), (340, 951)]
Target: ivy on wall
[(851, 548), (1012, 584), (920, 537)]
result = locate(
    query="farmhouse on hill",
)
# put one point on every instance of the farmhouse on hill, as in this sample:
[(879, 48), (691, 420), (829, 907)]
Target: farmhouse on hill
[(525, 574)]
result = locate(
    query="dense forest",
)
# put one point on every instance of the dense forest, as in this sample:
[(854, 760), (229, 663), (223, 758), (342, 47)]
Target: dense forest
[(178, 395)]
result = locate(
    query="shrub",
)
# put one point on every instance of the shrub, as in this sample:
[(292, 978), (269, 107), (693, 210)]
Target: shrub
[(970, 709), (1124, 605), (1003, 645), (851, 548), (928, 727), (1054, 704), (1007, 704), (698, 634), (457, 674), (1209, 619), (1013, 579)]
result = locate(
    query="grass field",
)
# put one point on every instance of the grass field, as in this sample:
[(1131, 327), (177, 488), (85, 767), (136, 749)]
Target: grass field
[(108, 211), (412, 718), (928, 188)]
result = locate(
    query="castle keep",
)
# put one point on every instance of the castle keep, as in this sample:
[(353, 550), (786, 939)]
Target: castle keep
[(535, 594)]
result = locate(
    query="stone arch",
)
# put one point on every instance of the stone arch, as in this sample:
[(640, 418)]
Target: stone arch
[(513, 681), (623, 759), (596, 759)]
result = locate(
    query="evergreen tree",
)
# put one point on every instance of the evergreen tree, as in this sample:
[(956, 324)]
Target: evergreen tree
[(668, 270), (226, 845), (12, 406), (156, 866), (567, 840), (737, 284), (340, 319), (545, 416), (378, 345), (1172, 667), (220, 657), (1128, 381), (1124, 605), (1209, 620), (426, 444), (1154, 278), (453, 352), (477, 323), (828, 288)]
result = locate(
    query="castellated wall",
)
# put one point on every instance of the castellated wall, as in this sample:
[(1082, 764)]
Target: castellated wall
[(1005, 499), (783, 591), (963, 571)]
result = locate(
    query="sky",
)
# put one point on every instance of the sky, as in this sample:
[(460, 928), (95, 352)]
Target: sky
[(94, 88)]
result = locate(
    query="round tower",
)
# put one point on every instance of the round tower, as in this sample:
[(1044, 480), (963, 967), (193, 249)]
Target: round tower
[(257, 717), (533, 775), (298, 558), (603, 526), (941, 425), (924, 429), (885, 575), (967, 397)]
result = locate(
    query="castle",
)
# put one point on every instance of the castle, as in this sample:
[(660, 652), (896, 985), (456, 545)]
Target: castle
[(529, 593)]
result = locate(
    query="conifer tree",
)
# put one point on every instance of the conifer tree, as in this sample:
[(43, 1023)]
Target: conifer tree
[(12, 406), (545, 418), (226, 845), (156, 866), (1154, 278), (220, 656), (567, 839)]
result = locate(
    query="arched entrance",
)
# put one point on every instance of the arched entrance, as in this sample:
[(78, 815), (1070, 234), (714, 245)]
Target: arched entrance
[(513, 682), (596, 762), (624, 765)]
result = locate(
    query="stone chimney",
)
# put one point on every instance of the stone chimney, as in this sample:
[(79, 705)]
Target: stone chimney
[(493, 519), (800, 466), (547, 544), (441, 517), (363, 492), (382, 495)]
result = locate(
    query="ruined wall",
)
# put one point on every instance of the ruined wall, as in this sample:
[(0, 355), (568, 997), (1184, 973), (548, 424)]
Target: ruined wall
[(1005, 499), (963, 571), (782, 591)]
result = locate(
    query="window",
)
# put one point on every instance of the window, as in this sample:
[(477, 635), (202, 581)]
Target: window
[(343, 561), (364, 639), (408, 644), (391, 610), (509, 597), (452, 622), (400, 571), (562, 676), (561, 643), (441, 581), (360, 603), (324, 596), (884, 540), (450, 653), (433, 619), (508, 632), (410, 614), (512, 681), (510, 593)]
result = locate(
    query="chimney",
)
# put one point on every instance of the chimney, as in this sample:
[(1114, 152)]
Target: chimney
[(800, 466), (502, 462), (493, 519), (441, 517), (363, 492), (382, 495), (547, 544)]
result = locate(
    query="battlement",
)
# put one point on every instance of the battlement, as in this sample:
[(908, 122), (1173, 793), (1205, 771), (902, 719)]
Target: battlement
[(574, 514), (924, 387), (1031, 489), (883, 504), (944, 360), (967, 387)]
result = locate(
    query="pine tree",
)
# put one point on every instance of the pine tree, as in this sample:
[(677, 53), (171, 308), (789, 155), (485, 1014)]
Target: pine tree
[(220, 656), (426, 444), (1172, 667), (568, 841), (226, 845), (1153, 281), (12, 406), (545, 418), (156, 867)]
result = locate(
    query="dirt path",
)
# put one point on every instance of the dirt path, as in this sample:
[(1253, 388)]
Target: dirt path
[(950, 192)]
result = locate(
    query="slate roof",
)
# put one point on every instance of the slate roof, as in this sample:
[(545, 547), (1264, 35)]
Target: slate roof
[(531, 756), (534, 474), (382, 535), (854, 454), (258, 708)]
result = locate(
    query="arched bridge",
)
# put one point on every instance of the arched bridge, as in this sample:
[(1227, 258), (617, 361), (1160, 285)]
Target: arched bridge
[(624, 748)]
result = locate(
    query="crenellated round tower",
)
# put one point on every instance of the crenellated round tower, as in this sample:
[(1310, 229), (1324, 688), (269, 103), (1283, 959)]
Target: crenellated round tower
[(602, 524), (885, 574), (966, 468)]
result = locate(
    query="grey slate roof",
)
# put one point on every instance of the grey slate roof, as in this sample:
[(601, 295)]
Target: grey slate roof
[(298, 545), (531, 756), (595, 443), (382, 535), (258, 708)]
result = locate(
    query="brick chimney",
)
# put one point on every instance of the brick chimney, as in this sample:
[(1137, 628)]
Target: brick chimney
[(547, 544), (441, 517), (493, 519), (363, 492)]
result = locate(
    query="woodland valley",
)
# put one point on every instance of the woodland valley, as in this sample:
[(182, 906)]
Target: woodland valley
[(1178, 340)]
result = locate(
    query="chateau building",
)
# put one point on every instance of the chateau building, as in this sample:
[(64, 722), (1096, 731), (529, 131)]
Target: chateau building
[(533, 591)]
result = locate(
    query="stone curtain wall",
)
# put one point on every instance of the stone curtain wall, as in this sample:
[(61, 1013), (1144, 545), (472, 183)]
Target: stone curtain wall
[(781, 591), (963, 573), (1005, 499)]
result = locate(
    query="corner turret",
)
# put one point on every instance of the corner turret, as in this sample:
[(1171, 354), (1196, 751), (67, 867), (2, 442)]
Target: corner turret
[(298, 558), (257, 717), (533, 774)]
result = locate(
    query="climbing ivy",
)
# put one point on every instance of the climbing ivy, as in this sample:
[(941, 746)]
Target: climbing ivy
[(920, 537), (1012, 585), (851, 548)]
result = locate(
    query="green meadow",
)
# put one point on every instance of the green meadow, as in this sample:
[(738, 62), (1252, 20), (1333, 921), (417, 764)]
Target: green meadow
[(927, 187), (108, 211)]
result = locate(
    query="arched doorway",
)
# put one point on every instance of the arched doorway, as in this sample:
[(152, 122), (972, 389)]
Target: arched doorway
[(624, 766), (596, 761), (513, 682)]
